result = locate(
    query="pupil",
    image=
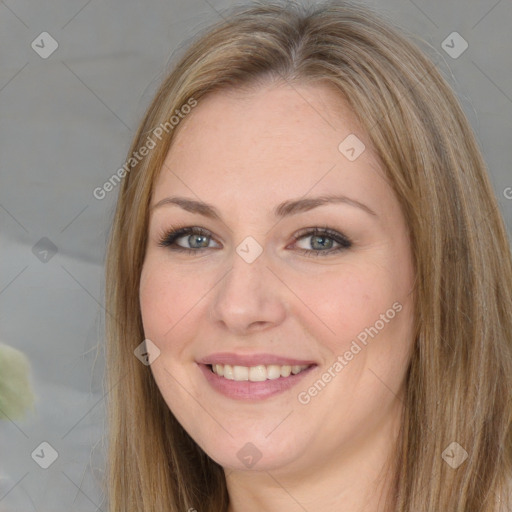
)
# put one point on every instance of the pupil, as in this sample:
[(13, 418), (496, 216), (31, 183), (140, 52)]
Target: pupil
[(201, 240), (324, 242)]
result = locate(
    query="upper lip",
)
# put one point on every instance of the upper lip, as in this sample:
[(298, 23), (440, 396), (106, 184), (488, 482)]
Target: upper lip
[(252, 360)]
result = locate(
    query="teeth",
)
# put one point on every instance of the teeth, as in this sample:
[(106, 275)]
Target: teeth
[(258, 373), (286, 370), (273, 371), (240, 372), (228, 372)]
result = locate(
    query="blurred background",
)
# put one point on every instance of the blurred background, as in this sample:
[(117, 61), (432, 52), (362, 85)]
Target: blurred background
[(75, 79)]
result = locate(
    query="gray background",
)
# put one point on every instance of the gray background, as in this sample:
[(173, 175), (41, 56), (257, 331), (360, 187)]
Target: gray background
[(66, 122)]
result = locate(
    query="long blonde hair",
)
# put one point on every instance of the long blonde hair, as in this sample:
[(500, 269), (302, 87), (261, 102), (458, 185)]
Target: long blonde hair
[(460, 378)]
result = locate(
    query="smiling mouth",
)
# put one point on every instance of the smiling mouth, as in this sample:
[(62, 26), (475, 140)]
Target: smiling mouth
[(258, 373)]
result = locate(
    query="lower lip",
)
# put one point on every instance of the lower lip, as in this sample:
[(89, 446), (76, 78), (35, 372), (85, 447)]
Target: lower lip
[(247, 390)]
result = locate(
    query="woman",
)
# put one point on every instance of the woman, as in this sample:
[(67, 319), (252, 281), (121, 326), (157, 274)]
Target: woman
[(375, 377)]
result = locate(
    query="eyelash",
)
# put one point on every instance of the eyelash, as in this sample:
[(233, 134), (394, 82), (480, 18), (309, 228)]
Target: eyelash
[(169, 237)]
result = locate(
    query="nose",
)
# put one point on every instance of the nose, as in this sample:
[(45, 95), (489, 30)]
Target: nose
[(249, 298)]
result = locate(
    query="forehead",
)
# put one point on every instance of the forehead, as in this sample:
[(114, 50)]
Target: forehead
[(308, 118), (266, 145)]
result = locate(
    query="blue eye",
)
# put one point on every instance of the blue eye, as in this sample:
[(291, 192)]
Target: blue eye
[(323, 241), (196, 238), (193, 240)]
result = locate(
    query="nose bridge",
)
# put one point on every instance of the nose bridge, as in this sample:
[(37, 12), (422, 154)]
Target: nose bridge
[(246, 284), (249, 294)]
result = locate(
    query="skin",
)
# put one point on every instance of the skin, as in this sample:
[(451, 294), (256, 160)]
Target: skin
[(244, 152)]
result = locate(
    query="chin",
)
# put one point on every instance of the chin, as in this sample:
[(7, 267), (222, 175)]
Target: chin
[(253, 453)]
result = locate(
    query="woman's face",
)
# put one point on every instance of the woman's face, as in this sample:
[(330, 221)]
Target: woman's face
[(278, 279)]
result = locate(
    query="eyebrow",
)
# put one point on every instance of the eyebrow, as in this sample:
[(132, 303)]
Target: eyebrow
[(284, 209)]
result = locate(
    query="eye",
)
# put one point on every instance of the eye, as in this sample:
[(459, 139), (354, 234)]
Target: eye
[(186, 239), (322, 241)]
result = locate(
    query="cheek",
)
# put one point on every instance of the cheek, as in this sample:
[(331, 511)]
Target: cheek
[(341, 303), (164, 299), (167, 307), (171, 301), (153, 293)]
